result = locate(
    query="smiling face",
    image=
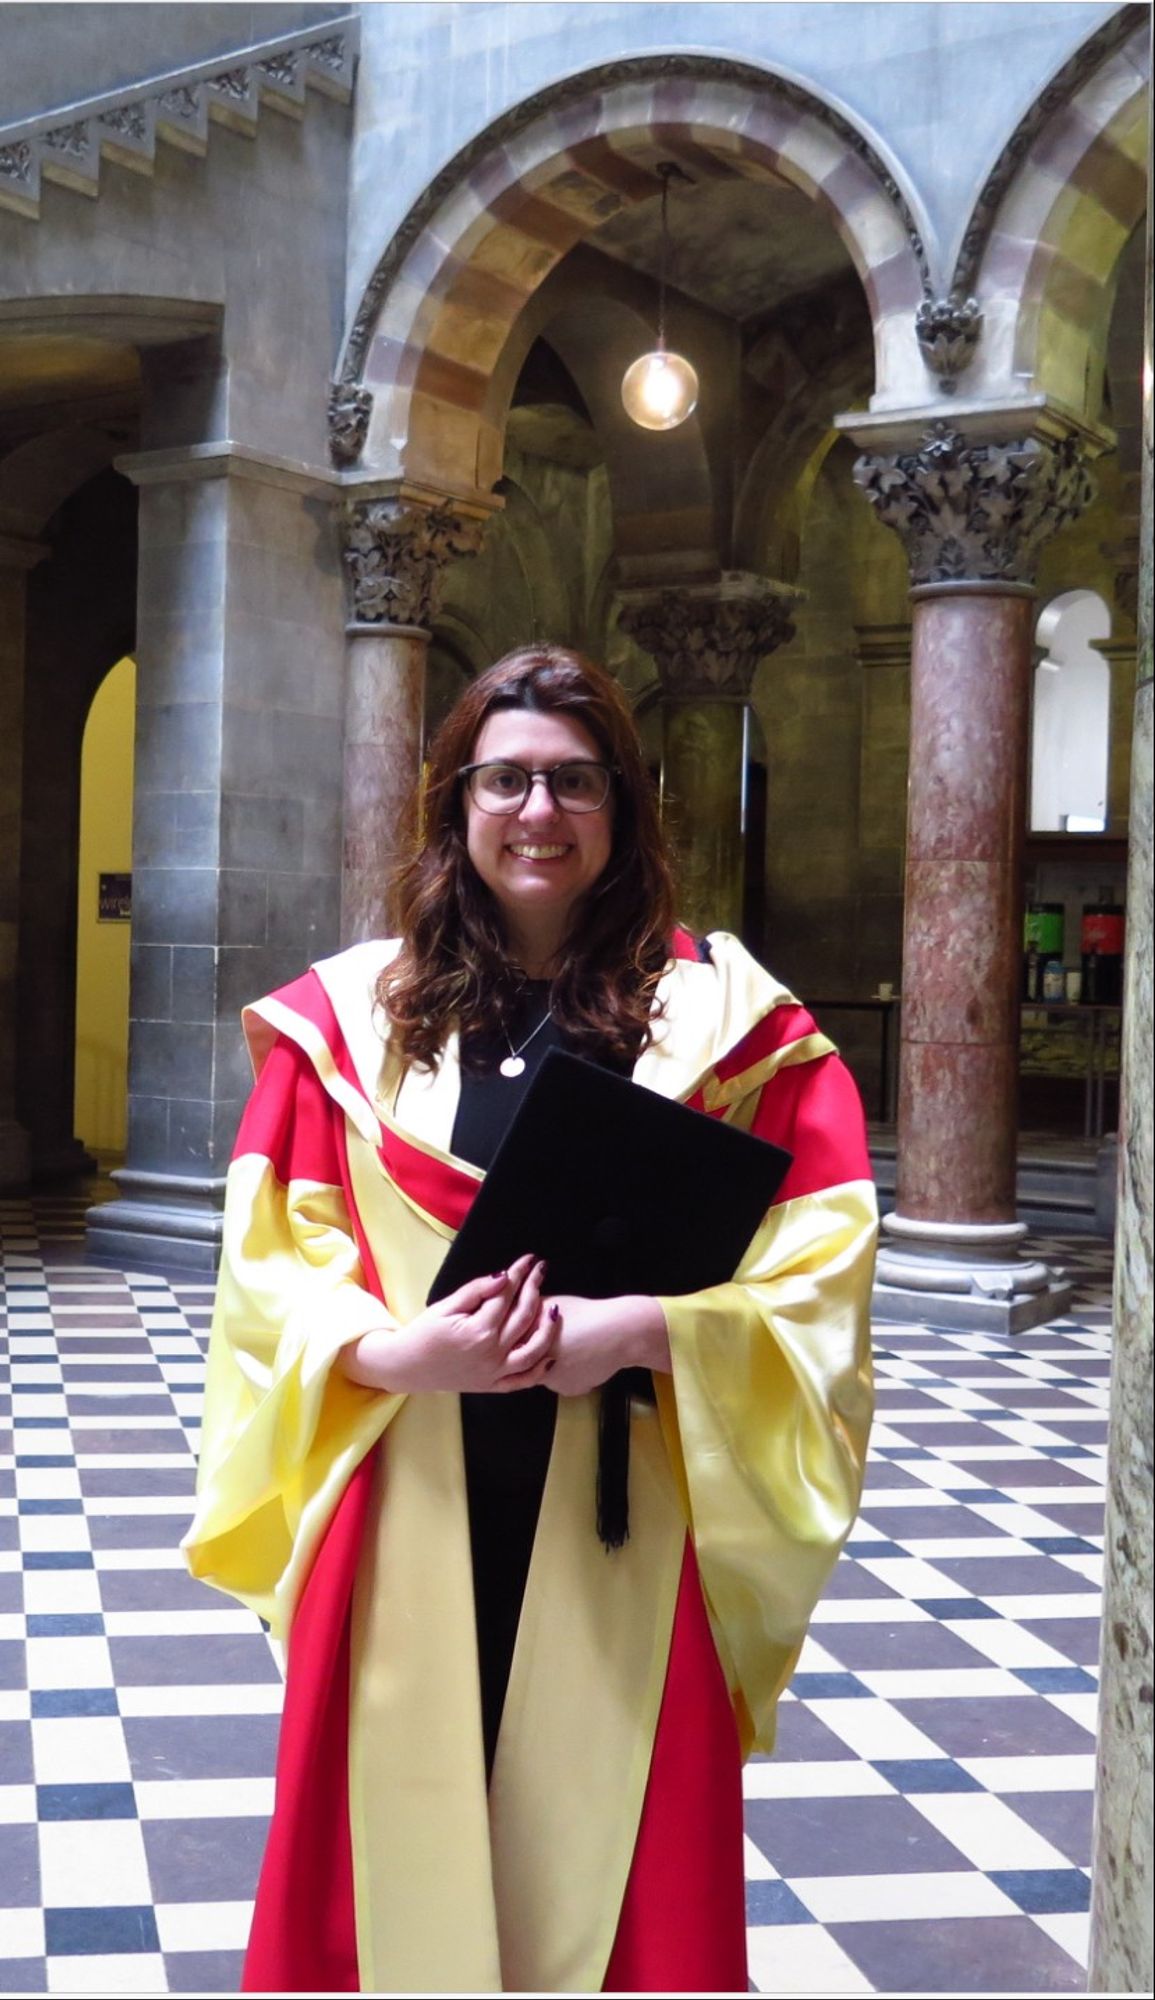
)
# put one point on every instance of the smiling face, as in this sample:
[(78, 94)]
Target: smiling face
[(539, 861)]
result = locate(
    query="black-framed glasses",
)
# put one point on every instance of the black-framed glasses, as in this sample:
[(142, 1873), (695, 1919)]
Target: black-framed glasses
[(580, 787)]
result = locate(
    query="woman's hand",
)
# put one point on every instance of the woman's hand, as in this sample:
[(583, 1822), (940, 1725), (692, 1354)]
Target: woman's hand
[(599, 1336), (492, 1334)]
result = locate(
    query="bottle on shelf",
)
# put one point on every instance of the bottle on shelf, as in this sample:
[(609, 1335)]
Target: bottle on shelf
[(1101, 940), (1033, 976), (1042, 939)]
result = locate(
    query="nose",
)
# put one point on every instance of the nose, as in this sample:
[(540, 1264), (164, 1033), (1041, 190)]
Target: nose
[(537, 807)]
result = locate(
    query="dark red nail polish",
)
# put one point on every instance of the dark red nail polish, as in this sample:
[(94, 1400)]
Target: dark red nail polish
[(555, 1314)]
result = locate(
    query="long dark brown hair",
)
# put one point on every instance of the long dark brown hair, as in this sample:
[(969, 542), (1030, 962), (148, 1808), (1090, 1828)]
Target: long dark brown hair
[(454, 969)]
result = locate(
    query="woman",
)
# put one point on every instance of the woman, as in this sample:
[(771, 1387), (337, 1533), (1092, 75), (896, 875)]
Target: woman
[(510, 1755)]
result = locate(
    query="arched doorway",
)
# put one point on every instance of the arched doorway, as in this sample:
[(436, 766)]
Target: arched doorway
[(104, 917), (80, 623)]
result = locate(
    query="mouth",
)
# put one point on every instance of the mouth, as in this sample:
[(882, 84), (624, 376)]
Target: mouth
[(538, 850)]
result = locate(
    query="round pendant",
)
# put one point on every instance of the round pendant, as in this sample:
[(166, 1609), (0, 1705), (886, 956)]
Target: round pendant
[(512, 1066)]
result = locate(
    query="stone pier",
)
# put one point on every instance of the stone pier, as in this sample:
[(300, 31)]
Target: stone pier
[(973, 509), (237, 819), (17, 557), (1122, 1877), (395, 546)]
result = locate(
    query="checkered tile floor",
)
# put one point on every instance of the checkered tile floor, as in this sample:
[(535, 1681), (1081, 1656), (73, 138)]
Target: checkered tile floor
[(925, 1825)]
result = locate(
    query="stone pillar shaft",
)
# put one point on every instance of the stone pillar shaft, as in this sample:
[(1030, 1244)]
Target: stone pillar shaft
[(970, 708), (706, 641), (1122, 1885), (236, 820), (396, 547), (973, 514), (16, 559), (703, 751), (383, 724)]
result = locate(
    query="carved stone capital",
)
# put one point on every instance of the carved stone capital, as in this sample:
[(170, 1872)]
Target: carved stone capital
[(978, 512), (395, 550), (706, 640), (350, 408), (948, 333)]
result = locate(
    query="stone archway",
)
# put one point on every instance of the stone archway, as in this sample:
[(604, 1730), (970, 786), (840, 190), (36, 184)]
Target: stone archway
[(1042, 246), (415, 399), (420, 412)]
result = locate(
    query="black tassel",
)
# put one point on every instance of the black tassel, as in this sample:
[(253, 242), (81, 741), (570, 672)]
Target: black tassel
[(614, 1463), (613, 1491)]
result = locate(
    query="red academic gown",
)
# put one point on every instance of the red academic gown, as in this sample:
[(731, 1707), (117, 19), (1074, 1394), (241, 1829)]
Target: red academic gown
[(677, 1920)]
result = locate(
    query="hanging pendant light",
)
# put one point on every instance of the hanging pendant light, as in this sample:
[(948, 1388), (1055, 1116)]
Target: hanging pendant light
[(660, 389)]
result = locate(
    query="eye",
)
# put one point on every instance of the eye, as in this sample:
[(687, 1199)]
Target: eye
[(505, 779), (578, 783)]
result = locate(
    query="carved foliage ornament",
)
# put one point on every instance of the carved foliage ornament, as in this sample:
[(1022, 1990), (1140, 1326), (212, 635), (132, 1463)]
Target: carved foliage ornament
[(395, 551), (16, 161), (233, 83), (182, 102), (281, 68), (75, 139), (708, 647), (328, 54), (130, 120), (980, 512), (948, 334), (350, 409)]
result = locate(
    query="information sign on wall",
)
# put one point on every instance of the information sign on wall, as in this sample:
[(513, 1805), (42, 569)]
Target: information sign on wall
[(114, 899)]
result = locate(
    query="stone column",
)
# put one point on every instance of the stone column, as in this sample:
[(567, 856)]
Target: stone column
[(396, 546), (17, 557), (236, 818), (706, 641), (1122, 1954), (973, 516)]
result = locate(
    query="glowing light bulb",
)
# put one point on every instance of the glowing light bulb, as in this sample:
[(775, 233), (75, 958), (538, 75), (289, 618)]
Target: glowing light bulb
[(660, 390)]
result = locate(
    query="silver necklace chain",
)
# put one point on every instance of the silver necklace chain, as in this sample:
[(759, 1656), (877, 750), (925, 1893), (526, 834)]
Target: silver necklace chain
[(514, 1063)]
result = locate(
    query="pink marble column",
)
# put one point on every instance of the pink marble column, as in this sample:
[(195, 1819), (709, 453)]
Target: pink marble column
[(970, 714), (384, 707), (396, 544), (973, 513)]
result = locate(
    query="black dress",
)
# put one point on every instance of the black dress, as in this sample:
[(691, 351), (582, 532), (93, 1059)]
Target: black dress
[(507, 1438)]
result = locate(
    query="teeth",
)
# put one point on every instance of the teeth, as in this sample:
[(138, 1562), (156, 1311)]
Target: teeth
[(527, 853)]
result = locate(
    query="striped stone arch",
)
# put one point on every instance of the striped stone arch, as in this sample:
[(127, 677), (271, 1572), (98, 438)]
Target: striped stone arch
[(1045, 261), (422, 355)]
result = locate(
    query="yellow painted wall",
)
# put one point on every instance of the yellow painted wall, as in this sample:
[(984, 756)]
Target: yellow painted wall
[(102, 949)]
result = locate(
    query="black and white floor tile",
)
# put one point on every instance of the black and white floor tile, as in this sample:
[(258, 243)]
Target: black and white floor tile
[(924, 1825)]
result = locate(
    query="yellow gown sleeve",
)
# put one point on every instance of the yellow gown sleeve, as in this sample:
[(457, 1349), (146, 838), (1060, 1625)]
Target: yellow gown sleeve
[(767, 1414), (283, 1428)]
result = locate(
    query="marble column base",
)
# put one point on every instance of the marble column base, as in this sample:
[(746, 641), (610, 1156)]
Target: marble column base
[(13, 1154), (964, 1275), (163, 1222)]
